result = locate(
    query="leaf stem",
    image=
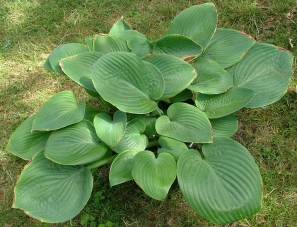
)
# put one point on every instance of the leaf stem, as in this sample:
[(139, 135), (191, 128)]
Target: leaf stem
[(152, 143), (158, 111), (101, 162)]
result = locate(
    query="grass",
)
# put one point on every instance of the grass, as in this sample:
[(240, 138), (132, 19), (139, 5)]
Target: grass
[(31, 29)]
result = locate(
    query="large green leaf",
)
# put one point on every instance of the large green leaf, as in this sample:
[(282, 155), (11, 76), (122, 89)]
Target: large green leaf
[(224, 185), (121, 168), (79, 68), (172, 146), (106, 44), (75, 145), (228, 46), (63, 51), (108, 130), (154, 175), (197, 23), (134, 138), (220, 105), (267, 70), (212, 78), (59, 111), (225, 126), (177, 45), (128, 83), (186, 123), (177, 74), (52, 192), (25, 143)]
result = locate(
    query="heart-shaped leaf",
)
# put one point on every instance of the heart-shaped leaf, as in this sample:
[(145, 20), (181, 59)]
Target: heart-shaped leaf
[(224, 185), (186, 123), (197, 23), (25, 143), (177, 74), (228, 46), (108, 130), (172, 146), (212, 79), (154, 175), (121, 168), (59, 111), (225, 126), (106, 44), (220, 105), (75, 145), (177, 45), (118, 75), (52, 192), (63, 51), (267, 70), (134, 138), (79, 68)]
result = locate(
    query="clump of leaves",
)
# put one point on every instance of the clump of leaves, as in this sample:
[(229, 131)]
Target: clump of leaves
[(167, 113)]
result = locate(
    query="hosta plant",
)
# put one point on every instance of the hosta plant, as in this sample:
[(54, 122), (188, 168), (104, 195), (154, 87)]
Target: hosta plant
[(167, 114)]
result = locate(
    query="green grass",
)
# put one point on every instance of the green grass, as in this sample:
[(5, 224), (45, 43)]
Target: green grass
[(31, 29)]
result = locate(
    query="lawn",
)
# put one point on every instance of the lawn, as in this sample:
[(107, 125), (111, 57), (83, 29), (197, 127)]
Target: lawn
[(31, 29)]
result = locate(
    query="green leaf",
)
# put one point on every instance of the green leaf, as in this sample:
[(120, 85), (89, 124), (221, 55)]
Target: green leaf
[(121, 168), (134, 138), (186, 123), (224, 185), (51, 192), (149, 121), (225, 126), (79, 68), (197, 23), (107, 44), (90, 43), (182, 96), (25, 143), (119, 27), (227, 47), (108, 130), (59, 111), (172, 146), (63, 51), (177, 74), (90, 113), (75, 145), (154, 175), (220, 105), (267, 70), (212, 78), (177, 45), (119, 77), (139, 46)]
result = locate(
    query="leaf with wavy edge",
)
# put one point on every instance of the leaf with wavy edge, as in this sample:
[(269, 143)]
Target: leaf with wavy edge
[(224, 185), (75, 145), (59, 111), (51, 192)]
